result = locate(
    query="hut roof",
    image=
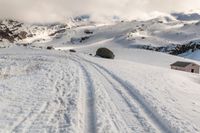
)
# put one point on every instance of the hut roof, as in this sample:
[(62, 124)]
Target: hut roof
[(182, 64)]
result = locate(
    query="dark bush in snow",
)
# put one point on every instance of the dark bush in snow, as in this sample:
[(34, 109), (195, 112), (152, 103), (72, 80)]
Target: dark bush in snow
[(88, 32), (84, 38), (105, 53), (79, 40), (25, 44), (72, 50), (49, 47)]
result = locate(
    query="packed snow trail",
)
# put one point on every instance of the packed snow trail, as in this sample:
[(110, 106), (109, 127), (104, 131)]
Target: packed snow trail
[(136, 105), (66, 93), (132, 120), (90, 114), (63, 94)]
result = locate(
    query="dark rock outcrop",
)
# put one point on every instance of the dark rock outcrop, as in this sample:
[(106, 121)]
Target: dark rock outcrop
[(180, 49), (5, 33), (22, 35), (49, 47), (174, 49), (9, 31), (72, 51), (105, 53), (88, 31), (79, 40), (58, 32)]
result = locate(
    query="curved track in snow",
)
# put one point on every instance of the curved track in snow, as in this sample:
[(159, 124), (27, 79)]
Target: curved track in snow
[(137, 115)]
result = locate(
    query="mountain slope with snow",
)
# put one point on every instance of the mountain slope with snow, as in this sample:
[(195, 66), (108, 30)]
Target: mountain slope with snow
[(164, 34), (57, 91)]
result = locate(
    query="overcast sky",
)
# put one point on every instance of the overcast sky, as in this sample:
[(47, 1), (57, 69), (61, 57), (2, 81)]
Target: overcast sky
[(59, 10)]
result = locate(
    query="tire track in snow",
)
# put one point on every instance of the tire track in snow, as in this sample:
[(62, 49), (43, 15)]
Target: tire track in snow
[(161, 124), (90, 116), (110, 119), (128, 112), (138, 122)]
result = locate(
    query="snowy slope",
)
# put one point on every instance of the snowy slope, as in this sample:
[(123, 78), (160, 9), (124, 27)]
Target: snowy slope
[(56, 91), (164, 33)]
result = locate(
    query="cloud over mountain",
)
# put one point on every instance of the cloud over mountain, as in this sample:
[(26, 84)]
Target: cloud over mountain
[(59, 10)]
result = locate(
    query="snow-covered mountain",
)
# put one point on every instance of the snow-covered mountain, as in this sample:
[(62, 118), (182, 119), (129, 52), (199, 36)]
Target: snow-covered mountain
[(17, 32), (168, 34), (72, 91)]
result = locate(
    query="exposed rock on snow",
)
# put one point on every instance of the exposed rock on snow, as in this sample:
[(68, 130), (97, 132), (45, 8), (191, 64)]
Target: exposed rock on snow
[(72, 50), (174, 49), (79, 40), (105, 53)]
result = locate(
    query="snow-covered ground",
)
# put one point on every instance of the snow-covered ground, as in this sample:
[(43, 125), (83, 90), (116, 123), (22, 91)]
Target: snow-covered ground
[(59, 91), (192, 55), (137, 92)]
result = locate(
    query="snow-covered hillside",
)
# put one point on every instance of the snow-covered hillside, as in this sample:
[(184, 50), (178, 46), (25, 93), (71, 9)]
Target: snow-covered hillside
[(168, 34), (55, 90), (16, 32)]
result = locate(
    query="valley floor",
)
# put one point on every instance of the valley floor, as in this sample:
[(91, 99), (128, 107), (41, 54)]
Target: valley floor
[(50, 91)]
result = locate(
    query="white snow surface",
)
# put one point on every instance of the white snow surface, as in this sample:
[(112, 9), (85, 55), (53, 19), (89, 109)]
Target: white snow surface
[(58, 91), (192, 55)]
